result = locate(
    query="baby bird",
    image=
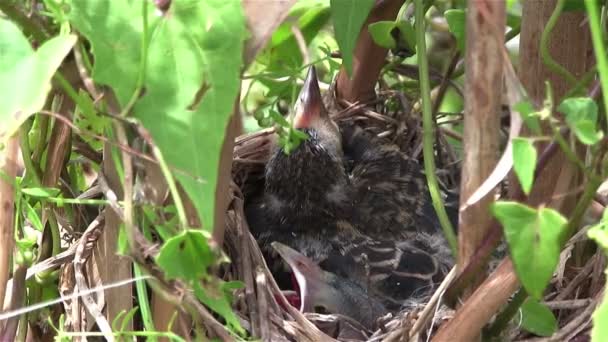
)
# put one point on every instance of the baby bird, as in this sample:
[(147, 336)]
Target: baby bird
[(355, 206), (325, 292), (306, 192)]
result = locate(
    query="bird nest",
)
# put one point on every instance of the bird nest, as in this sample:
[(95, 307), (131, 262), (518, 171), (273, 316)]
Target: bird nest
[(263, 309)]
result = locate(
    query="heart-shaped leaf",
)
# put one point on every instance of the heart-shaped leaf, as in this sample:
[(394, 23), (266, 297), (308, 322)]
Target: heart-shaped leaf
[(534, 238)]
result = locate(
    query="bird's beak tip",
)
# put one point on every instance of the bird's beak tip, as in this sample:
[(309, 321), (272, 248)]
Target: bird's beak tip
[(310, 103)]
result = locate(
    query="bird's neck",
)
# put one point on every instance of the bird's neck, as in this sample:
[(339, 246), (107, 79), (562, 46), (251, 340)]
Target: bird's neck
[(307, 181)]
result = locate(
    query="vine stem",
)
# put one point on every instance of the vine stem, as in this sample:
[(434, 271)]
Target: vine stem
[(598, 47), (544, 42), (428, 129)]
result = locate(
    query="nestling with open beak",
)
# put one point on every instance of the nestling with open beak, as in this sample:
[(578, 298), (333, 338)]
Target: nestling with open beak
[(325, 292)]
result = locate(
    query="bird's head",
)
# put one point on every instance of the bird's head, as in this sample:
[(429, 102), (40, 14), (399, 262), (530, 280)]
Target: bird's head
[(311, 116), (313, 171), (310, 277), (324, 292)]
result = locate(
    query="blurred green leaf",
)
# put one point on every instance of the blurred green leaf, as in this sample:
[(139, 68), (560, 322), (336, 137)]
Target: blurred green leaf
[(457, 20), (33, 217), (599, 233), (581, 117), (534, 238), (218, 302), (41, 192), (88, 119), (282, 55), (25, 75), (537, 318), (407, 33), (528, 114), (203, 37), (599, 332), (394, 35), (381, 33), (186, 255), (348, 18), (524, 162)]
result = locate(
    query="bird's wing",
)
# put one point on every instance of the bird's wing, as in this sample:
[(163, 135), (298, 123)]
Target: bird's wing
[(394, 271), (390, 189)]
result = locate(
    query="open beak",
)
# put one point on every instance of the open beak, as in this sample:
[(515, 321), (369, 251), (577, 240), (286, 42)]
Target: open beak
[(293, 258), (310, 104), (306, 272)]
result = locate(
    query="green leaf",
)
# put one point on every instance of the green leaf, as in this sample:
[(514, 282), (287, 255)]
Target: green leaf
[(586, 132), (534, 238), (186, 255), (599, 232), (194, 48), (41, 192), (25, 75), (33, 217), (537, 318), (88, 119), (283, 51), (457, 22), (581, 117), (407, 33), (529, 116), (599, 332), (348, 17), (218, 302), (381, 33), (524, 162)]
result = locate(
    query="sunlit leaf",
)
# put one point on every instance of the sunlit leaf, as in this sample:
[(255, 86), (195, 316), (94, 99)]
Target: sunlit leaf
[(534, 238), (537, 318), (348, 17), (194, 48), (25, 75), (524, 162)]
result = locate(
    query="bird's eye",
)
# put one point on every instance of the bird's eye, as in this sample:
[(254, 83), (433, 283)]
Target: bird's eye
[(320, 309)]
